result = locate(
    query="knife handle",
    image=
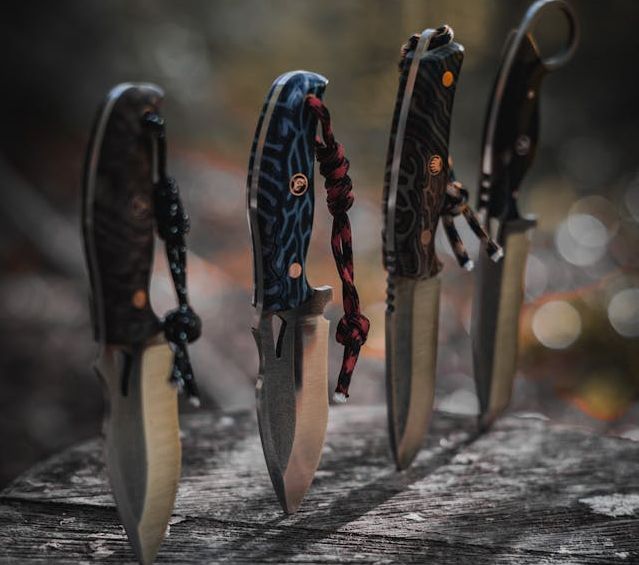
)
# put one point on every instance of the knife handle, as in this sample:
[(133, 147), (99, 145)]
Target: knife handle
[(118, 217), (280, 192), (423, 168), (511, 129), (511, 144)]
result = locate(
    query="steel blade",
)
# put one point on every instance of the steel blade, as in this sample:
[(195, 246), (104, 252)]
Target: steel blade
[(292, 395), (411, 355), (143, 450), (499, 293)]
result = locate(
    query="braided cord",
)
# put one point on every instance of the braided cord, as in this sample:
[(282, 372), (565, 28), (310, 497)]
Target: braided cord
[(442, 36), (182, 325), (353, 327), (455, 204)]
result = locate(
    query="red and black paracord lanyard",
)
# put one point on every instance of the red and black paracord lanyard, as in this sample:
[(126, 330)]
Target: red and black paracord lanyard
[(353, 327)]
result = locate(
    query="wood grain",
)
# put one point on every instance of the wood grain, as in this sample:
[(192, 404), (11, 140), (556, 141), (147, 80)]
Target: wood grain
[(522, 493)]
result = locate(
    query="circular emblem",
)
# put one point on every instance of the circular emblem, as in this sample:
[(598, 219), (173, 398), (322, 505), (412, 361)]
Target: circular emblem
[(295, 270), (298, 184), (139, 299), (435, 165)]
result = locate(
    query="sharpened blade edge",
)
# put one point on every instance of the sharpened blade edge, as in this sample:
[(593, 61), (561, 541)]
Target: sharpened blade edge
[(142, 442), (495, 323), (411, 356), (292, 396)]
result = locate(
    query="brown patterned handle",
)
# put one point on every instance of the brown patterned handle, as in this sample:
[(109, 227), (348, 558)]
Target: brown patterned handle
[(118, 219), (417, 170)]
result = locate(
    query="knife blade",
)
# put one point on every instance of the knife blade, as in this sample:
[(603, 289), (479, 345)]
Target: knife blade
[(291, 332), (417, 175), (141, 428), (510, 140)]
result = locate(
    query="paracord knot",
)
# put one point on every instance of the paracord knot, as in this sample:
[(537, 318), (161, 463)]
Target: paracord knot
[(182, 325), (352, 329)]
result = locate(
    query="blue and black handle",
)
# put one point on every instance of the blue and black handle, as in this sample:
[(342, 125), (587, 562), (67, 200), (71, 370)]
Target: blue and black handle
[(280, 192)]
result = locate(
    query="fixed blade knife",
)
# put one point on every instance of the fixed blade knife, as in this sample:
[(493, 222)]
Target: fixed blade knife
[(291, 332), (126, 195), (510, 140), (416, 179)]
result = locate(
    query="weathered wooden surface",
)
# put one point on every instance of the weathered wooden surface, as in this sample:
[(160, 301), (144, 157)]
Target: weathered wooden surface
[(527, 492)]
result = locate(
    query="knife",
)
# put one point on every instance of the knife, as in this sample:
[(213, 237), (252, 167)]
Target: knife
[(510, 137), (141, 358), (291, 332), (419, 188)]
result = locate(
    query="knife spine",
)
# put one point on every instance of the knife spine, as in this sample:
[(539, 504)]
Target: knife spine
[(253, 183)]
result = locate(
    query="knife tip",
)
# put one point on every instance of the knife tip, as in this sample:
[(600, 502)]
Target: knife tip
[(290, 507), (404, 456), (145, 549), (486, 420), (402, 462), (290, 499)]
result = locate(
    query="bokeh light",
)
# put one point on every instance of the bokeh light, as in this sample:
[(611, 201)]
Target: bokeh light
[(581, 239), (623, 312), (536, 277), (556, 324)]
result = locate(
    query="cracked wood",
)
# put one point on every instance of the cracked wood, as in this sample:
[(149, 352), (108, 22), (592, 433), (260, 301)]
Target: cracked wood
[(526, 492)]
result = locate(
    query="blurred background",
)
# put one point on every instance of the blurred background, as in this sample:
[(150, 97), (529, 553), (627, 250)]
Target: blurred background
[(580, 327)]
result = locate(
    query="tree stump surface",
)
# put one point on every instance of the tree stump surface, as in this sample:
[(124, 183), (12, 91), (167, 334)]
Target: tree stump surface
[(527, 491)]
